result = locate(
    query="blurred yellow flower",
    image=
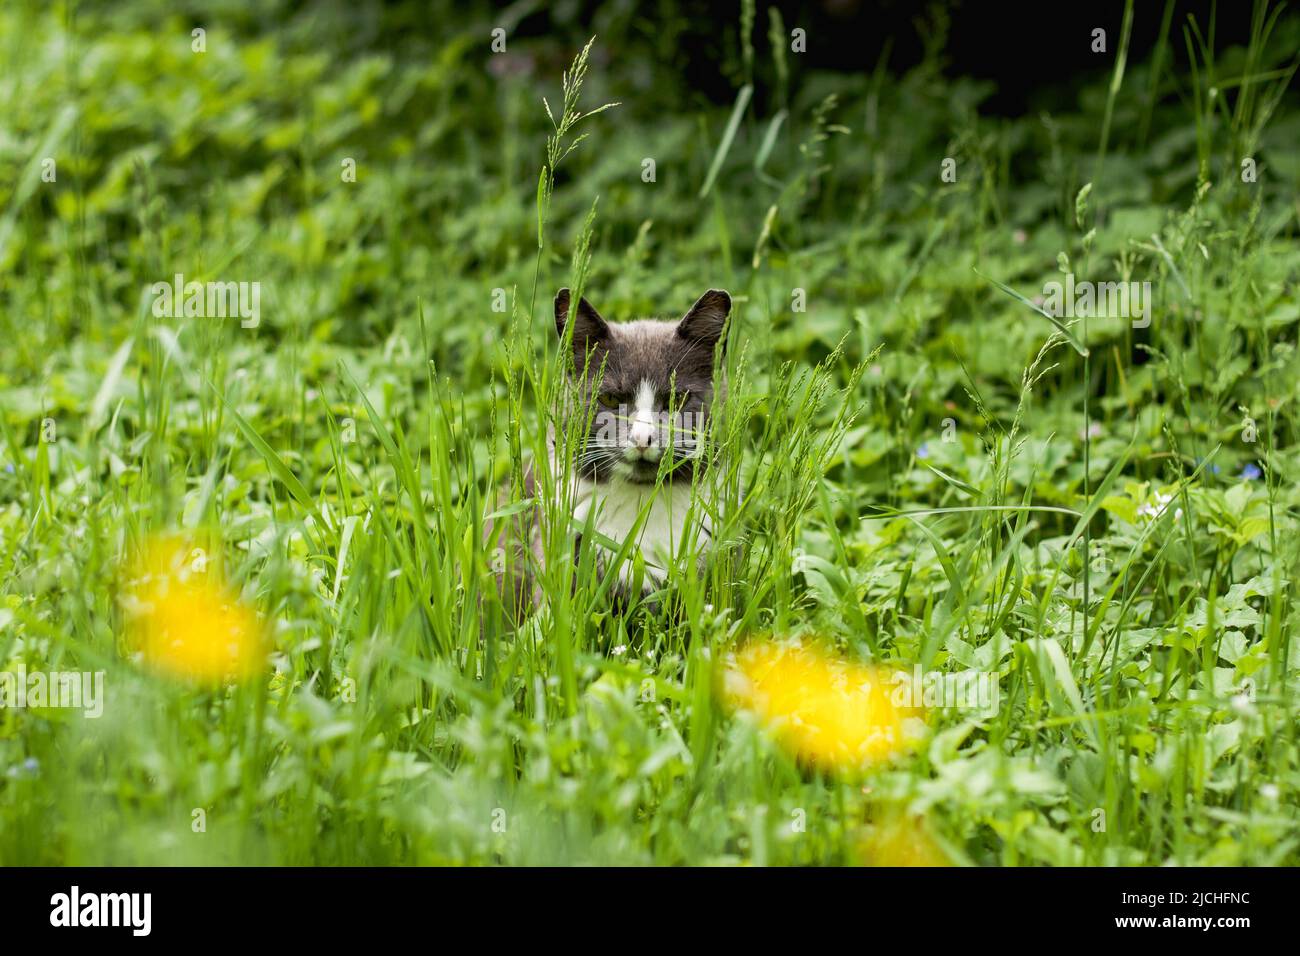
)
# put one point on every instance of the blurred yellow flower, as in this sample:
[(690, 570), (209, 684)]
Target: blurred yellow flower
[(826, 710), (901, 840), (184, 620)]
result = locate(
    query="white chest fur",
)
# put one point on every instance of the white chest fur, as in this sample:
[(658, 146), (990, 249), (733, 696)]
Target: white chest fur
[(670, 518)]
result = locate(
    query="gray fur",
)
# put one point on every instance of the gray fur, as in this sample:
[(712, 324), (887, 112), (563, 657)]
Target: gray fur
[(676, 358), (619, 458)]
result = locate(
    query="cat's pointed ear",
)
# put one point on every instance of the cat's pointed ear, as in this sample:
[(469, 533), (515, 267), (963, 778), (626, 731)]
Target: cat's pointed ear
[(706, 322), (589, 329)]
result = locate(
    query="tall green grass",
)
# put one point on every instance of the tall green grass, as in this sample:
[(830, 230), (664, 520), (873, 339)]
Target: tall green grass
[(350, 451)]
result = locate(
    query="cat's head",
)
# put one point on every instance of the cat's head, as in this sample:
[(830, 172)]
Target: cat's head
[(645, 386)]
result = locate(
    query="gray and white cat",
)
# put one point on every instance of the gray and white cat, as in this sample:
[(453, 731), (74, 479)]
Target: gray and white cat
[(640, 403)]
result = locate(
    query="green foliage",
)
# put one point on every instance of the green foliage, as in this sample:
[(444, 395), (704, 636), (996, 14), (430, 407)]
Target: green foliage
[(919, 470)]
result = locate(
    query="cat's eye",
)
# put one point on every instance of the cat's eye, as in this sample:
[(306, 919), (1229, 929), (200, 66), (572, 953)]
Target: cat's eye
[(609, 400)]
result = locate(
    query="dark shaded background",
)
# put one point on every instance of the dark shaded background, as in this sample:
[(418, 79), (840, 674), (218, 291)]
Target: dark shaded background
[(1035, 55)]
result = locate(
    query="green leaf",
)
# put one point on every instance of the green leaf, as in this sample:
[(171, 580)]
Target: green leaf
[(1069, 336), (728, 134)]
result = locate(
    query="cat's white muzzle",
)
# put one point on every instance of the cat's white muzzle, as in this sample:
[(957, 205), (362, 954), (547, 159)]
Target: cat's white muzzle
[(643, 453)]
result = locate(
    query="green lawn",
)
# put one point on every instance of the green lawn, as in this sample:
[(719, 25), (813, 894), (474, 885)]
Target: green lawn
[(1101, 512)]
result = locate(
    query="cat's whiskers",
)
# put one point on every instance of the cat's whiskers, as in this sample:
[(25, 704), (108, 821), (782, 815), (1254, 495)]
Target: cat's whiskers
[(637, 463)]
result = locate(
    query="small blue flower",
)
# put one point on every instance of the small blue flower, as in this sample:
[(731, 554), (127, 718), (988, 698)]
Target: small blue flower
[(1251, 472), (29, 768), (924, 450)]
